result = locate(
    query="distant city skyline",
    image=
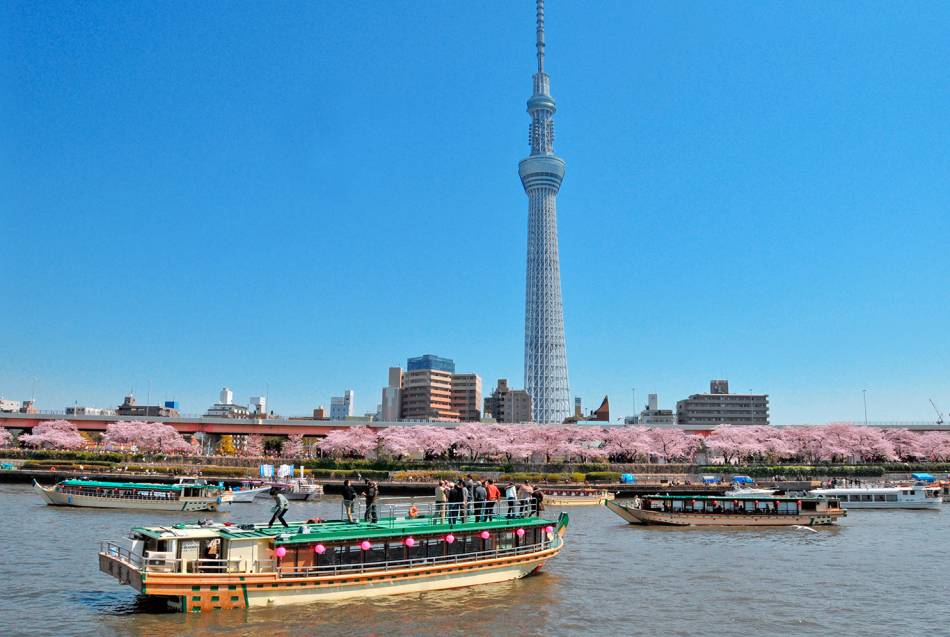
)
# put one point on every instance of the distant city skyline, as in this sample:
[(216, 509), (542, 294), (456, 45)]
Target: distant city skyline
[(289, 200)]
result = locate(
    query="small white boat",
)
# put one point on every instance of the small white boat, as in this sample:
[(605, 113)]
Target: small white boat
[(302, 489), (247, 493), (918, 496)]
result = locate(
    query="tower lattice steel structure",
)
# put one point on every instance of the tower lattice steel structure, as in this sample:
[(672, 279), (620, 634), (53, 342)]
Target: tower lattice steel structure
[(545, 352)]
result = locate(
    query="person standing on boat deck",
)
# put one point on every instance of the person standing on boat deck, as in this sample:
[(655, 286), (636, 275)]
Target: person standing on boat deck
[(480, 497), (441, 497), (537, 500), (511, 495), (494, 495), (456, 502), (280, 507), (372, 491), (469, 495), (349, 497)]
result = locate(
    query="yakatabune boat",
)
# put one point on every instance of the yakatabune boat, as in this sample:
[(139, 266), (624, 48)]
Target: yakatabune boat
[(698, 510), (194, 496), (567, 496), (199, 567)]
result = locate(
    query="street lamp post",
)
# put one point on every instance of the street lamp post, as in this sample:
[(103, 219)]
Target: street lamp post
[(864, 393)]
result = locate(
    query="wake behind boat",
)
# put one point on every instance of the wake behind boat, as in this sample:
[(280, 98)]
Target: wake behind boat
[(701, 510), (190, 496)]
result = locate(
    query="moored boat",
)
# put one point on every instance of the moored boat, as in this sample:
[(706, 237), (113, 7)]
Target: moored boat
[(190, 496), (301, 489), (200, 567), (917, 496), (575, 496), (247, 492), (688, 510)]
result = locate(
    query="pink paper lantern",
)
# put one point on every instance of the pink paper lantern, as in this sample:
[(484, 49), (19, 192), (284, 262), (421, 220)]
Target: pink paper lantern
[(485, 535), (319, 549), (520, 532), (449, 538), (549, 530), (365, 545), (280, 551), (409, 541)]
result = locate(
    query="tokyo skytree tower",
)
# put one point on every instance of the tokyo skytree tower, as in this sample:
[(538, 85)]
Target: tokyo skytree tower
[(545, 352)]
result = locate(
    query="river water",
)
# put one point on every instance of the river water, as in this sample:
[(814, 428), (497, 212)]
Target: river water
[(877, 573)]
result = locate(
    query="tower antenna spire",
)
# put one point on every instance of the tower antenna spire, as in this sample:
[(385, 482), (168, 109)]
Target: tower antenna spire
[(540, 32)]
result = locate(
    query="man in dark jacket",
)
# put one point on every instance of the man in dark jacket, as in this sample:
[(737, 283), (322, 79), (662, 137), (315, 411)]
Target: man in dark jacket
[(371, 492), (349, 497), (456, 502)]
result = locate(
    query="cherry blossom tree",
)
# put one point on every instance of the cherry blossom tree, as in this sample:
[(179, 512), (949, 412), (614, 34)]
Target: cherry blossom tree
[(934, 446), (356, 442), (674, 445), (145, 436), (58, 434), (400, 441), (906, 444), (6, 438), (293, 446), (254, 446), (629, 444)]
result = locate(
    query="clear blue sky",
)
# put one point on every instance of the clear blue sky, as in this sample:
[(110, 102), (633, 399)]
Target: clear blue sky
[(303, 194)]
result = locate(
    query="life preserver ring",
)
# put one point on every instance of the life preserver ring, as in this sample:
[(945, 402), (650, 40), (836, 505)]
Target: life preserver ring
[(413, 511)]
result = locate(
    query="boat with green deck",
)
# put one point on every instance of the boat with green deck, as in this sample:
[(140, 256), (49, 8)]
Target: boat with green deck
[(200, 567), (184, 496)]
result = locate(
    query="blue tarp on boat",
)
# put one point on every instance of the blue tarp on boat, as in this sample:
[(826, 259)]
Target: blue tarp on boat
[(923, 477), (742, 479)]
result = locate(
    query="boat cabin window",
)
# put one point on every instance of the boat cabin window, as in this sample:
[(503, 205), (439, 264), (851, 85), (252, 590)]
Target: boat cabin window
[(890, 497)]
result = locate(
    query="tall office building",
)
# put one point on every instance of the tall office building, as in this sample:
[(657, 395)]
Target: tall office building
[(430, 389), (545, 352)]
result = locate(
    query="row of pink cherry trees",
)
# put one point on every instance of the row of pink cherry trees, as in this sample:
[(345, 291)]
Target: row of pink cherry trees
[(837, 442), (123, 435)]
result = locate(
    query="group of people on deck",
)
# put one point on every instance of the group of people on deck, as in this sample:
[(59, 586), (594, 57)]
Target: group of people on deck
[(466, 497), (454, 501)]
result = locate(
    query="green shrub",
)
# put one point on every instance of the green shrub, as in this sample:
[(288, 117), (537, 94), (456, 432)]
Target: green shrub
[(603, 476)]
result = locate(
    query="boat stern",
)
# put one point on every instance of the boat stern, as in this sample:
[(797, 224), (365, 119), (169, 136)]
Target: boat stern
[(120, 564)]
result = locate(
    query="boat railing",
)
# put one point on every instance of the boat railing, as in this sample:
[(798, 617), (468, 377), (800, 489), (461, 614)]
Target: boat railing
[(365, 567), (120, 553), (395, 513)]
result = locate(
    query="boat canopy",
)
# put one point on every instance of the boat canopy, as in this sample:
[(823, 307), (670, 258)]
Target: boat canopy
[(710, 479), (136, 485), (742, 479), (923, 477)]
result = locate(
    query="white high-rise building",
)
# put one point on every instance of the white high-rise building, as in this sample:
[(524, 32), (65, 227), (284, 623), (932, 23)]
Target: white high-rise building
[(545, 351), (341, 407), (226, 397)]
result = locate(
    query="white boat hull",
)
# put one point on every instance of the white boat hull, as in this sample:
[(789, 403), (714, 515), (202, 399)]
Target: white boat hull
[(247, 495), (55, 498), (930, 503)]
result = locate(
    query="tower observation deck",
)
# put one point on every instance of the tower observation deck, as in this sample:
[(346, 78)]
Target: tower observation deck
[(545, 351)]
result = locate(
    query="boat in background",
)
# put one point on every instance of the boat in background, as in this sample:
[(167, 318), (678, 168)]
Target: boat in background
[(202, 567), (247, 492), (301, 489), (185, 496), (705, 510), (575, 496), (916, 496)]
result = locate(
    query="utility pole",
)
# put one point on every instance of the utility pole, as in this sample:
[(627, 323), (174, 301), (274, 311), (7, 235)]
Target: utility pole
[(864, 392)]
